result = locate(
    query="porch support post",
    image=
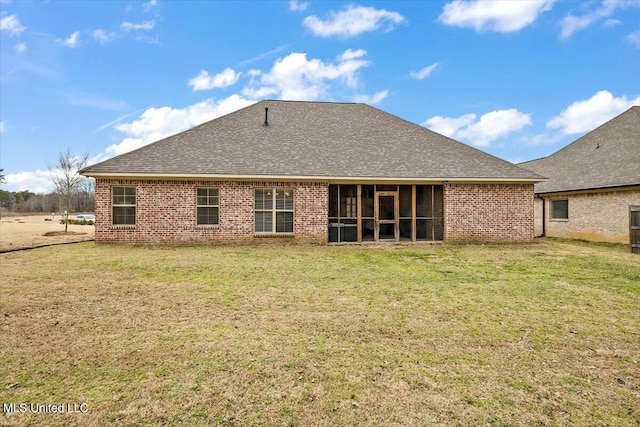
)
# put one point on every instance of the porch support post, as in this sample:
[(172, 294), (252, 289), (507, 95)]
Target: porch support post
[(359, 212), (413, 213)]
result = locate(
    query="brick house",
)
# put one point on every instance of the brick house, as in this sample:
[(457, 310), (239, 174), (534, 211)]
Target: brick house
[(593, 183), (319, 171)]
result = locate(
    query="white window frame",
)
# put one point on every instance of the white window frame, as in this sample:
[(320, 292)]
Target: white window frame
[(208, 196), (124, 204), (274, 210)]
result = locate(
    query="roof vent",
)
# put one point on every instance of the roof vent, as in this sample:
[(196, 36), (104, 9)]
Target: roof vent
[(266, 116)]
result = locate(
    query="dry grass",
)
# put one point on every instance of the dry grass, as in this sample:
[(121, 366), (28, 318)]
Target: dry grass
[(19, 231), (543, 334)]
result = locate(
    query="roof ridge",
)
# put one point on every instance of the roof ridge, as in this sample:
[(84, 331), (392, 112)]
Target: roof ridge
[(308, 101), (615, 118)]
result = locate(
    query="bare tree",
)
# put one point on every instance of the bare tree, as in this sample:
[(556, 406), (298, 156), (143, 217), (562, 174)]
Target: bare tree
[(66, 178)]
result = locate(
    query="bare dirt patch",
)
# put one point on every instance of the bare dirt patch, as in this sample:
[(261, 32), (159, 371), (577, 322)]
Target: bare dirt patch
[(27, 231), (63, 233)]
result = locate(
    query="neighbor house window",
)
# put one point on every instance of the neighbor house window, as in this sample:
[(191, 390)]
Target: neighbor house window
[(123, 205), (560, 209), (273, 210), (208, 206)]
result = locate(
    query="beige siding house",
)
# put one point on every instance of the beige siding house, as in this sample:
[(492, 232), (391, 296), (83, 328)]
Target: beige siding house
[(593, 183), (326, 172)]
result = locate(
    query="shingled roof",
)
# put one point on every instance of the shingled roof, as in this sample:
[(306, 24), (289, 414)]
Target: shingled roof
[(311, 140), (608, 156)]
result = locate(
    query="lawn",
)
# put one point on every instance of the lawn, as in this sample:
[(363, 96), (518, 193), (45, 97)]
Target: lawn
[(545, 334)]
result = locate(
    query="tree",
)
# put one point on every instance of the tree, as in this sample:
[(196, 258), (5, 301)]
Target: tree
[(66, 178), (1, 176)]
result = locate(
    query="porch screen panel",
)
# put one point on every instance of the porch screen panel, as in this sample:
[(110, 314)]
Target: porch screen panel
[(343, 213), (334, 225), (405, 212), (348, 213), (429, 212), (368, 223)]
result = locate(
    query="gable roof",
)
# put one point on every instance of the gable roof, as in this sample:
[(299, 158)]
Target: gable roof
[(608, 156), (310, 140)]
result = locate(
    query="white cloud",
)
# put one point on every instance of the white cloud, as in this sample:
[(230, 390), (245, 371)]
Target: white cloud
[(73, 40), (148, 6), (21, 47), (204, 81), (372, 99), (611, 23), (295, 77), (352, 54), (501, 16), (449, 125), (157, 123), (102, 37), (352, 21), (11, 24), (490, 126), (298, 6), (572, 23), (37, 181), (584, 116), (3, 127), (425, 72), (634, 38), (146, 26)]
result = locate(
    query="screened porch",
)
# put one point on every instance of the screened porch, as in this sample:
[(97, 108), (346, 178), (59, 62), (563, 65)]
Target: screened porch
[(385, 213)]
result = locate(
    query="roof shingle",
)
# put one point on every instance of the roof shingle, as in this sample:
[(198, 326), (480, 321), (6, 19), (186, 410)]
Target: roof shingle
[(608, 156), (315, 140)]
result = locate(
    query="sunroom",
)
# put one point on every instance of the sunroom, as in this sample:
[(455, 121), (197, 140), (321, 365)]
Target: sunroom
[(385, 213)]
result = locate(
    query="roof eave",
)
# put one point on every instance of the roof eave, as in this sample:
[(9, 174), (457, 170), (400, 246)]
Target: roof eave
[(303, 178), (620, 187)]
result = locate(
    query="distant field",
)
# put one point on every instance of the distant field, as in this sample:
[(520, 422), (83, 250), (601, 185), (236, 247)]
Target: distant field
[(29, 230), (545, 334)]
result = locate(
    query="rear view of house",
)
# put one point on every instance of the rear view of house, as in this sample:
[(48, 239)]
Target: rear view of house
[(593, 189), (327, 172)]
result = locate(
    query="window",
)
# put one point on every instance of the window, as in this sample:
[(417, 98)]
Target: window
[(123, 205), (560, 209), (207, 206), (273, 210)]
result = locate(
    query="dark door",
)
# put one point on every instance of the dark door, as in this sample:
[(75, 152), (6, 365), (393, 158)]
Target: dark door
[(634, 229), (386, 209)]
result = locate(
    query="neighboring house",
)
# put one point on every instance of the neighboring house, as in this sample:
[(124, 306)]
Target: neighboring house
[(593, 183), (327, 172)]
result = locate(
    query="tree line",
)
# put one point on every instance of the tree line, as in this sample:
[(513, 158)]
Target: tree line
[(82, 200), (72, 192)]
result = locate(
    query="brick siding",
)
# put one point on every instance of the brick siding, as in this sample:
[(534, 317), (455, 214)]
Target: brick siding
[(597, 216), (488, 212), (166, 211)]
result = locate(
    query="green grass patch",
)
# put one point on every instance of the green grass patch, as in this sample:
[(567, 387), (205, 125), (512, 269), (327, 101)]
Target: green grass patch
[(426, 335)]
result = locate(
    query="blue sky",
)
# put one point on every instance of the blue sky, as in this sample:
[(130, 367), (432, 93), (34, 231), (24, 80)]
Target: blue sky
[(517, 79)]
